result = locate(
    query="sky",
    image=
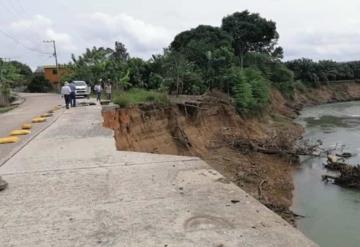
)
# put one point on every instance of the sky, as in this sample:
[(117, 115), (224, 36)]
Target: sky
[(316, 29)]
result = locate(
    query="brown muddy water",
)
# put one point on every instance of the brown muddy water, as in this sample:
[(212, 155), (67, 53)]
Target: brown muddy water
[(332, 213)]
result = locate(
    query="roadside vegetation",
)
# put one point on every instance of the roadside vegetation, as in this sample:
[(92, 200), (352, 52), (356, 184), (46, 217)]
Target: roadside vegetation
[(39, 84), (6, 109), (12, 75), (138, 96)]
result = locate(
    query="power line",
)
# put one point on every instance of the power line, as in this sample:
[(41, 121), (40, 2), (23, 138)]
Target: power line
[(11, 9), (20, 43), (22, 9)]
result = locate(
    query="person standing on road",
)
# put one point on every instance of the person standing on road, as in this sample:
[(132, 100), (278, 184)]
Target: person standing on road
[(108, 89), (72, 94), (98, 90), (65, 92)]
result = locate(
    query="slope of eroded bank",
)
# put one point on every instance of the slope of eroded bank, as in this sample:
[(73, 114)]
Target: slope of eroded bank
[(209, 127)]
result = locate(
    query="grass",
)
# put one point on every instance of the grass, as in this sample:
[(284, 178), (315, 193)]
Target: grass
[(139, 96), (6, 109)]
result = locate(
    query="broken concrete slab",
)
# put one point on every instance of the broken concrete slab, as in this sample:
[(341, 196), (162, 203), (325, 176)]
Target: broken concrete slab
[(70, 187)]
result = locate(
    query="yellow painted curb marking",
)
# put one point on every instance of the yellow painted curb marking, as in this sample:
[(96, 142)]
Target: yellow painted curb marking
[(19, 132), (10, 139), (26, 126), (46, 115), (38, 120)]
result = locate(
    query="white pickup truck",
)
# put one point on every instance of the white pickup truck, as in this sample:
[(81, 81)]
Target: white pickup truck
[(82, 89)]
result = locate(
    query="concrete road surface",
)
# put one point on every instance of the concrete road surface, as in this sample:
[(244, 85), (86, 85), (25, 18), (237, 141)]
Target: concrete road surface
[(70, 187), (34, 105)]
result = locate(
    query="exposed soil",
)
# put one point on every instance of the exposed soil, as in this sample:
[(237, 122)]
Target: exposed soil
[(209, 127)]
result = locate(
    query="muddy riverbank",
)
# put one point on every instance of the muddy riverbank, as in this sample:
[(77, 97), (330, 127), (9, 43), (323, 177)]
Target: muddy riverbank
[(211, 128)]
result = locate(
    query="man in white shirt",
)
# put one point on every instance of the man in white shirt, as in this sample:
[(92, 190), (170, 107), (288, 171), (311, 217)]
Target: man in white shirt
[(98, 90), (65, 92)]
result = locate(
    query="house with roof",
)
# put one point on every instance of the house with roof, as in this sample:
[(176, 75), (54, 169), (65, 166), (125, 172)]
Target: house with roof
[(52, 74)]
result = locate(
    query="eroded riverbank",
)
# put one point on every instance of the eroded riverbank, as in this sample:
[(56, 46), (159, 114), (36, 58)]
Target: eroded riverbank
[(211, 129)]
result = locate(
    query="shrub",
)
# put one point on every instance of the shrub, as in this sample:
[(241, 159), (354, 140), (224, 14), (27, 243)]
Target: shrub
[(122, 101), (300, 86), (251, 91), (140, 96), (39, 85), (150, 98), (286, 89)]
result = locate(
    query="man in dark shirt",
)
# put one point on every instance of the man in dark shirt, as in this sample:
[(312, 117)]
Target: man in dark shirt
[(73, 94)]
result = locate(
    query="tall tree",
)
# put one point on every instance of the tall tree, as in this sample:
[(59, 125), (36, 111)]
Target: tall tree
[(120, 52), (251, 32), (100, 63), (210, 50), (195, 44), (178, 70), (24, 70)]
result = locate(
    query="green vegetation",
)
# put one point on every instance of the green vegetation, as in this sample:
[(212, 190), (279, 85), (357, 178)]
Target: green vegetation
[(24, 72), (251, 90), (241, 58), (137, 96), (314, 74), (39, 84), (9, 74), (252, 33), (198, 60), (6, 109)]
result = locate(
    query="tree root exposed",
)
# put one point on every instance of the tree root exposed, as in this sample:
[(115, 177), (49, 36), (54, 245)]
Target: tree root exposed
[(271, 148)]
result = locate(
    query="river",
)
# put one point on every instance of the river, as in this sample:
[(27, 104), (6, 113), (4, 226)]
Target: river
[(332, 213)]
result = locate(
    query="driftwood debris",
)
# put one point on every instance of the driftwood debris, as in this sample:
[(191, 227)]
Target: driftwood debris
[(270, 147), (344, 155), (333, 163), (349, 175)]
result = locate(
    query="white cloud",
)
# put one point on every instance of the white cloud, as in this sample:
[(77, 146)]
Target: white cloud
[(323, 29), (142, 39), (24, 41), (38, 28), (336, 45)]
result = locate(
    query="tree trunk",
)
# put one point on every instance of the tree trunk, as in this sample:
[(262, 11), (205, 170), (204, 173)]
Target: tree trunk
[(242, 61)]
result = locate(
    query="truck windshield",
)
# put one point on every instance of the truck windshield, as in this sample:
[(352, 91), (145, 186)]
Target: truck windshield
[(80, 83)]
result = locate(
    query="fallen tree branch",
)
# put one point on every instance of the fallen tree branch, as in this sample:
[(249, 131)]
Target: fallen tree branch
[(260, 191)]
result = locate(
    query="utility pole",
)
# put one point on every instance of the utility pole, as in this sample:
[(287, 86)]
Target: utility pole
[(55, 56)]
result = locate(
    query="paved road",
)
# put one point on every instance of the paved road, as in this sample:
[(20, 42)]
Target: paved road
[(34, 105), (70, 187)]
